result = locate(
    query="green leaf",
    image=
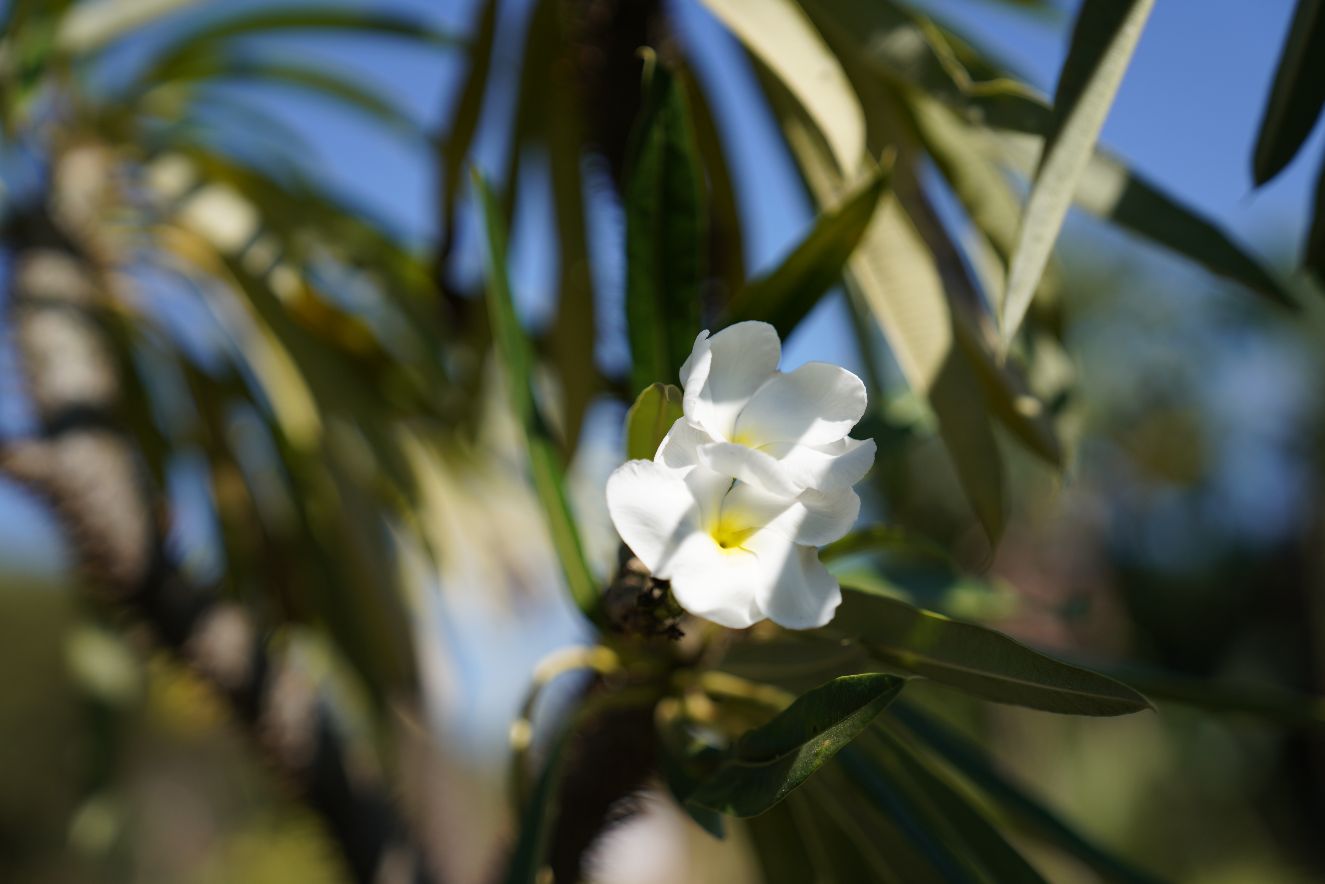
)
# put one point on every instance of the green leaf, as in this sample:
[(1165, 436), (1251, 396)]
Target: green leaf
[(464, 120), (344, 90), (518, 361), (301, 17), (911, 52), (550, 110), (983, 844), (1314, 254), (767, 763), (977, 660), (1103, 39), (781, 37), (649, 419), (883, 538), (781, 847), (726, 230), (968, 758), (785, 295), (1109, 189), (895, 276), (665, 233), (912, 810), (538, 816), (1298, 93), (901, 284)]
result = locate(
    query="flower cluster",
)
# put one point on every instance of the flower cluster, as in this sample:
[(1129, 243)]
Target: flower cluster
[(748, 484)]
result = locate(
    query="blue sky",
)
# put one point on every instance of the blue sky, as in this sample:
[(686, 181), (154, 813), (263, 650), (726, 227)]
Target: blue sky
[(1186, 116)]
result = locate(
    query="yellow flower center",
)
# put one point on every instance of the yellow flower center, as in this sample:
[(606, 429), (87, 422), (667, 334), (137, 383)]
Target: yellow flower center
[(729, 534)]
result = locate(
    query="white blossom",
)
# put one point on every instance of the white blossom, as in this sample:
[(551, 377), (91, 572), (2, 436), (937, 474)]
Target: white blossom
[(734, 553), (785, 432), (748, 484)]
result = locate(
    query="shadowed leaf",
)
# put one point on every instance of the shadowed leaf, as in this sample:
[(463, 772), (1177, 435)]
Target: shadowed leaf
[(517, 359), (665, 234), (1103, 39), (770, 761), (649, 419), (1298, 93), (977, 660)]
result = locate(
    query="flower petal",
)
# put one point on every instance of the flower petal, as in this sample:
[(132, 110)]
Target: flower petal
[(816, 404), (653, 510), (812, 519), (724, 371), (797, 592), (749, 465), (832, 467), (716, 584), (678, 449)]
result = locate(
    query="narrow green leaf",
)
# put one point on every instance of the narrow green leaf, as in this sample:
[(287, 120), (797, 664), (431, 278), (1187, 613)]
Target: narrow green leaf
[(517, 358), (971, 761), (785, 295), (894, 275), (665, 233), (983, 188), (998, 860), (560, 122), (680, 760), (538, 816), (912, 810), (1313, 256), (336, 87), (295, 17), (900, 47), (782, 848), (900, 282), (977, 660), (1298, 93), (1269, 702), (850, 840), (649, 419), (770, 761), (726, 229), (464, 120), (782, 37), (1103, 39), (1109, 189), (883, 538)]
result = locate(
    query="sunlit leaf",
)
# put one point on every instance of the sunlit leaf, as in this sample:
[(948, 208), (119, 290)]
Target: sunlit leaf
[(785, 295), (779, 34), (977, 660), (770, 761), (649, 419), (1298, 93), (900, 46), (665, 233), (518, 361), (1103, 39)]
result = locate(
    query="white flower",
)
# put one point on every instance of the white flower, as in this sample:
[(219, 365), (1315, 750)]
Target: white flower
[(783, 432), (734, 552)]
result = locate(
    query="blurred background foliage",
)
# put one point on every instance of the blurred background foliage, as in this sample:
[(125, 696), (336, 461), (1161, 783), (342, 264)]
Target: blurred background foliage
[(299, 371)]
